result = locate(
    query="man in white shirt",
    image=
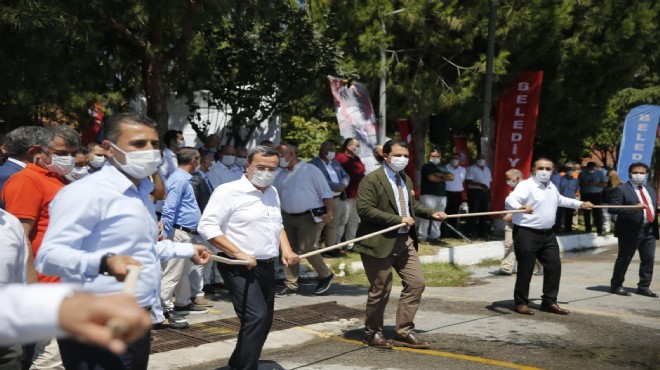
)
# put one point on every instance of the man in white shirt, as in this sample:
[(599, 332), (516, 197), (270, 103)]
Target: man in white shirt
[(306, 206), (243, 220), (478, 179), (225, 171), (534, 237), (241, 160), (455, 188)]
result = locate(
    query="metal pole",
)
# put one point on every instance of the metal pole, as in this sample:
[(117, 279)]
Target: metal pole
[(382, 101), (486, 123)]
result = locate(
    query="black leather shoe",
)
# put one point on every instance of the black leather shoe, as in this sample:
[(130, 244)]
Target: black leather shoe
[(553, 308), (377, 340), (620, 291), (410, 341), (647, 293), (523, 309)]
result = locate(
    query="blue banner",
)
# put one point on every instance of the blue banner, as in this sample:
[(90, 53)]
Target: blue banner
[(639, 133)]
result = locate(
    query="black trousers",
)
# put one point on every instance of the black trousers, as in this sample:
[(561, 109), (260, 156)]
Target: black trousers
[(253, 296), (454, 199), (644, 241), (565, 217), (595, 199), (530, 245), (478, 201), (79, 356)]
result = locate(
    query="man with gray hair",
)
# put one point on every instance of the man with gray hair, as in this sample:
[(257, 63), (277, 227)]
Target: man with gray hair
[(17, 143), (28, 193)]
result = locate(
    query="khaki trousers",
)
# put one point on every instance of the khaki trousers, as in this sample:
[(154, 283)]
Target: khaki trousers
[(509, 260), (303, 232), (330, 229), (405, 261)]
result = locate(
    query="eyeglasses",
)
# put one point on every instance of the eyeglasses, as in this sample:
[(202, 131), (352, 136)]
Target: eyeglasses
[(264, 168)]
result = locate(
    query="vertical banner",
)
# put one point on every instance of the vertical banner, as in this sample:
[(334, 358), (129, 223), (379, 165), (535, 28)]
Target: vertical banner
[(517, 110), (405, 131), (639, 133), (355, 114), (460, 147)]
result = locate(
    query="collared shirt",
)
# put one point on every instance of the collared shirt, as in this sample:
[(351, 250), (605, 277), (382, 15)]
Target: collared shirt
[(334, 173), (13, 250), (568, 186), (586, 177), (302, 189), (544, 200), (249, 218), (31, 313), (106, 213), (355, 169), (180, 207), (456, 184), (17, 162), (170, 164), (28, 194), (370, 164), (648, 200), (391, 176), (221, 174), (478, 174)]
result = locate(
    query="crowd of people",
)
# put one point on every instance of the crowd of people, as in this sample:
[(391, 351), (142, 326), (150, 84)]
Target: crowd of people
[(78, 217)]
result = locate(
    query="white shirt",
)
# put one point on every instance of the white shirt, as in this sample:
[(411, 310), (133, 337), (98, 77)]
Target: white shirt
[(170, 164), (648, 200), (105, 213), (456, 184), (370, 164), (302, 189), (478, 174), (391, 176), (20, 163), (544, 200), (221, 174), (31, 312), (13, 250), (249, 218)]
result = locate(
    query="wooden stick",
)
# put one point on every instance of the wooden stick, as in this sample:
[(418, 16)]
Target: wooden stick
[(458, 215), (228, 261), (319, 251), (636, 206), (119, 326)]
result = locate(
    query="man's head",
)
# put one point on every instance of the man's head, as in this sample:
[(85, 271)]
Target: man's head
[(396, 154), (435, 157), (80, 169), (378, 153), (351, 147), (212, 142), (267, 143), (262, 165), (241, 157), (228, 155), (327, 150), (481, 160), (591, 167), (55, 148), (513, 177), (131, 144), (455, 159), (543, 168), (96, 155), (188, 159), (638, 173), (569, 168), (173, 140), (19, 141), (288, 155), (206, 161)]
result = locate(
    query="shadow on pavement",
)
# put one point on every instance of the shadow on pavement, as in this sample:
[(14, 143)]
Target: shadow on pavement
[(599, 288), (263, 365)]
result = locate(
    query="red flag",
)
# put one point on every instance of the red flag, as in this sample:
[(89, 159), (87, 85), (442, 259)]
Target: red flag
[(517, 111)]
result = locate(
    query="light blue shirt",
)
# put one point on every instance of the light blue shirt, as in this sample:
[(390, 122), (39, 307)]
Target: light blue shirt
[(180, 207), (391, 176), (105, 213), (568, 186)]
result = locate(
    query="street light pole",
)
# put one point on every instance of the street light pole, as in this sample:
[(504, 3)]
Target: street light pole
[(382, 100), (486, 123)]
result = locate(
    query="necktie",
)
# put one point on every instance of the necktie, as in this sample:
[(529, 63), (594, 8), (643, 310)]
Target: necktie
[(649, 214), (402, 201)]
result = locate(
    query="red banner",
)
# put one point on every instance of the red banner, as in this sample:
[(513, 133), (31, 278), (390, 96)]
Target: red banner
[(405, 132), (460, 147), (517, 111)]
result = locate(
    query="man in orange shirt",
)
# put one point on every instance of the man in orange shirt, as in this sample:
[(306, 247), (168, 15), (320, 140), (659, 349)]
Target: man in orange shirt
[(28, 193)]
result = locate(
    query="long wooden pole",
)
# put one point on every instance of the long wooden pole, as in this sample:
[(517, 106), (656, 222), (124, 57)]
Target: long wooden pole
[(458, 215), (229, 261), (318, 251), (634, 206)]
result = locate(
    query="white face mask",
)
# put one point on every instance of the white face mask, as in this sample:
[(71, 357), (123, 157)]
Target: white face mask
[(284, 163), (261, 179), (481, 162), (180, 144), (511, 183), (638, 178), (455, 162), (356, 150), (61, 164), (97, 162), (139, 164), (228, 160), (77, 173), (398, 163), (330, 156), (434, 160), (240, 161), (569, 173), (543, 175)]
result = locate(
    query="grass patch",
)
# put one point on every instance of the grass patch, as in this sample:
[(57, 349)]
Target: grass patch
[(489, 262), (436, 275)]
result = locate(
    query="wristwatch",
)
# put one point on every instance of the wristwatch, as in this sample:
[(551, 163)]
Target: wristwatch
[(103, 267)]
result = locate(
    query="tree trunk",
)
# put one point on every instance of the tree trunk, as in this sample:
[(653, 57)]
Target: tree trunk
[(156, 90)]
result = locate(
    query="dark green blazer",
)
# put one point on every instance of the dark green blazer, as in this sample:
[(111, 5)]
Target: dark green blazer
[(377, 208)]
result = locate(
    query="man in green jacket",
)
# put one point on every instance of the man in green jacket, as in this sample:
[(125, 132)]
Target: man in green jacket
[(385, 199)]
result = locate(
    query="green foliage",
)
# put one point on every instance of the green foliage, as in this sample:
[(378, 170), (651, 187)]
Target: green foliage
[(309, 134)]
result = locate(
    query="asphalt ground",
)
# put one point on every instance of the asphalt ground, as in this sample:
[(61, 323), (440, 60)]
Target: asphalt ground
[(470, 327)]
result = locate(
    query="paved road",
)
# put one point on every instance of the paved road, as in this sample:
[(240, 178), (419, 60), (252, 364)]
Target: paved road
[(474, 328)]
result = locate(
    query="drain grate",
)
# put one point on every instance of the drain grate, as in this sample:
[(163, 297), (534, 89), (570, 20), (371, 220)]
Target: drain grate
[(217, 330)]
